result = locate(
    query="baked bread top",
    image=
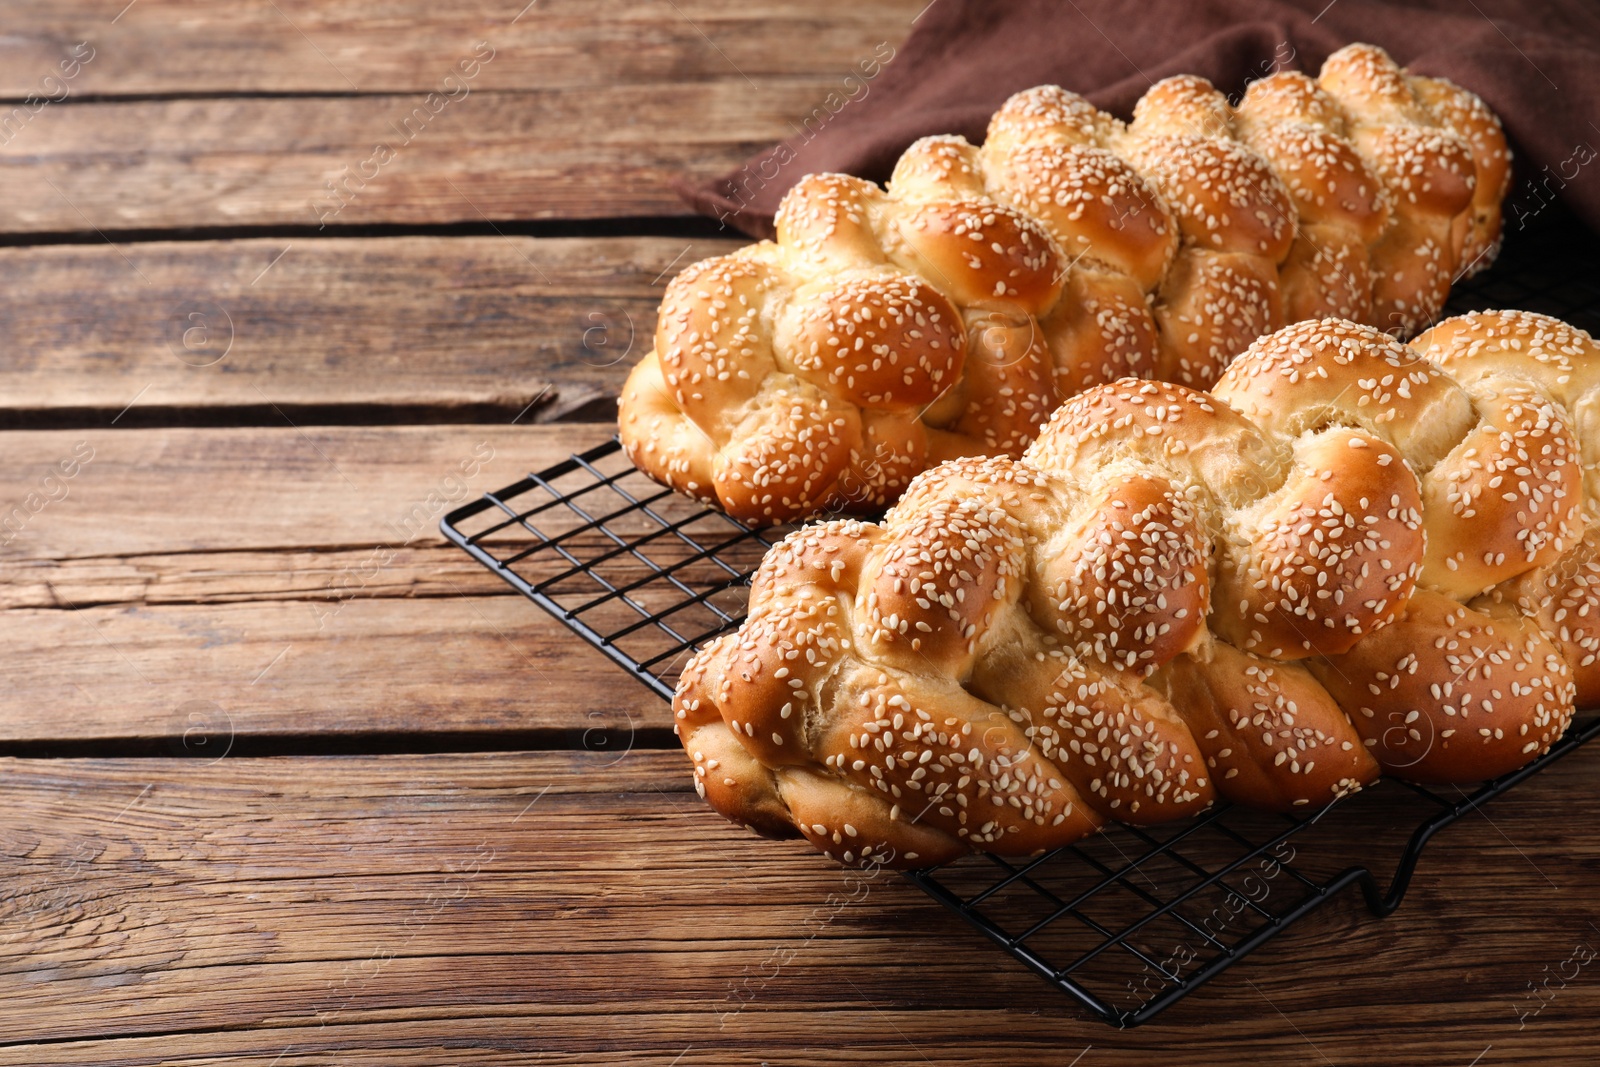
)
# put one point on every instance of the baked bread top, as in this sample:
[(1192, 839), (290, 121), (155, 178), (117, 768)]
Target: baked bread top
[(948, 315)]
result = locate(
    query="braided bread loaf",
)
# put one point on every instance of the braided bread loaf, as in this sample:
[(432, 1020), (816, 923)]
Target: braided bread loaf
[(887, 331), (1350, 557)]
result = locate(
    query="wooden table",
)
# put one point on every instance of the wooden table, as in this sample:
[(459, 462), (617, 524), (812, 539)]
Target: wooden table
[(444, 830)]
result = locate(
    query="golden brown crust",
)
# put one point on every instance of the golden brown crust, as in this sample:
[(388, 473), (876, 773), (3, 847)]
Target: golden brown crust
[(1101, 330), (1183, 106), (1116, 741), (1075, 249), (1211, 306), (892, 344), (849, 824), (1293, 97), (1124, 580), (1564, 598), (1475, 234), (1093, 203), (1048, 114), (1008, 386), (952, 762), (1272, 737), (726, 773), (1327, 179), (1226, 197), (787, 453), (657, 438), (1363, 79), (829, 218), (1327, 276), (945, 572), (982, 254), (1176, 596), (893, 450), (1428, 171), (1328, 558), (1508, 497), (1498, 457), (938, 168), (1310, 376), (1450, 694), (713, 350)]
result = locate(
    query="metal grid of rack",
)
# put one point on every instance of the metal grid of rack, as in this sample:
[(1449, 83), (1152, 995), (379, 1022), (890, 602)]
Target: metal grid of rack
[(1126, 922)]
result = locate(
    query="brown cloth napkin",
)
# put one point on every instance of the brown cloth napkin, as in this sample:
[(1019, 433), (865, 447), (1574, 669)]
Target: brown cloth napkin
[(1536, 64)]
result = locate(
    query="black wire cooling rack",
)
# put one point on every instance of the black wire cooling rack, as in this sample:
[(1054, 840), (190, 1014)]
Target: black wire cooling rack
[(1126, 922)]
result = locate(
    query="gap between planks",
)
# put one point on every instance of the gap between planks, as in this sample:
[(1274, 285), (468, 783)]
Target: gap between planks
[(391, 329), (236, 910), (244, 604)]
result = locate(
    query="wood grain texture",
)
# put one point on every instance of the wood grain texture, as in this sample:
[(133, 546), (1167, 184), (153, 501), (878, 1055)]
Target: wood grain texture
[(256, 161), (325, 577), (296, 115), (198, 591), (401, 46), (222, 673), (272, 583), (184, 490), (571, 908), (404, 329)]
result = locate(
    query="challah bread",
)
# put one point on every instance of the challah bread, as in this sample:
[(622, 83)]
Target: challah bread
[(888, 330), (1350, 557)]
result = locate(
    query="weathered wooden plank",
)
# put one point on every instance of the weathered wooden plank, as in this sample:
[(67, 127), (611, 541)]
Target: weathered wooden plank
[(945, 1038), (186, 490), (241, 584), (287, 46), (419, 328), (324, 578), (580, 908), (201, 677), (609, 150)]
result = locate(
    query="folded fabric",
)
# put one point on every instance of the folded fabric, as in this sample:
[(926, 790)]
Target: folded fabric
[(1536, 65)]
